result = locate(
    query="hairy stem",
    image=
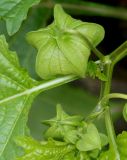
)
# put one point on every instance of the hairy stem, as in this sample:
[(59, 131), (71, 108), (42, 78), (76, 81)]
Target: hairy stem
[(108, 69), (114, 57)]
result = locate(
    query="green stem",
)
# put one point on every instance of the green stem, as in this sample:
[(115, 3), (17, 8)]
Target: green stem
[(90, 8), (113, 95), (119, 53), (108, 69), (105, 95), (42, 87)]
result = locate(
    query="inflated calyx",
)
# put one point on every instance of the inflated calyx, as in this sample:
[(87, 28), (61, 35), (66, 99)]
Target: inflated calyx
[(61, 50)]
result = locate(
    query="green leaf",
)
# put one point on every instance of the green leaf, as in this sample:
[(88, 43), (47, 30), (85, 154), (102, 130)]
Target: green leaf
[(108, 155), (104, 139), (14, 113), (83, 155), (94, 153), (70, 156), (122, 143), (61, 124), (94, 70), (125, 112), (77, 156), (27, 60), (90, 140), (44, 150), (61, 50), (71, 136), (15, 12)]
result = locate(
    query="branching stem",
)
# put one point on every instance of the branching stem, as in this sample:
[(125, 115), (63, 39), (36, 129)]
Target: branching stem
[(119, 53), (113, 95), (108, 69)]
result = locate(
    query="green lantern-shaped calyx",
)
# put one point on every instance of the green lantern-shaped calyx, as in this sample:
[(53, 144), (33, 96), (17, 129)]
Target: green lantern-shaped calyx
[(61, 51)]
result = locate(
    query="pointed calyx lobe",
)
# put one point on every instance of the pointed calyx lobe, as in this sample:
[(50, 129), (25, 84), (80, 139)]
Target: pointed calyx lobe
[(60, 50)]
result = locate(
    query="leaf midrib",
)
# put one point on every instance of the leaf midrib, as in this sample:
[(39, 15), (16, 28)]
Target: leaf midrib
[(14, 125)]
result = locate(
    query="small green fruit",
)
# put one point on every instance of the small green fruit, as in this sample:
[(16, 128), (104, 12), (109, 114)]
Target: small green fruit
[(61, 51)]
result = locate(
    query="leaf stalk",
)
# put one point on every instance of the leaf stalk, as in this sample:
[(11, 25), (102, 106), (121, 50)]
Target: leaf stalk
[(42, 87)]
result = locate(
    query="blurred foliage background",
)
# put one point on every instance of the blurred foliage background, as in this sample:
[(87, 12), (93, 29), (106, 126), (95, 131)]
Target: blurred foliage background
[(79, 97)]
